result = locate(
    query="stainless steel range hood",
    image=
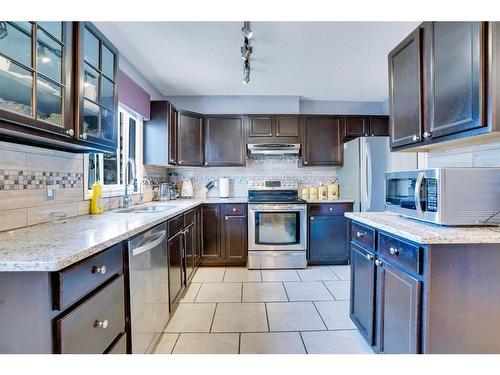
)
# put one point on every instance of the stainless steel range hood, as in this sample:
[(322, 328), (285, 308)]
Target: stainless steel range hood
[(273, 149)]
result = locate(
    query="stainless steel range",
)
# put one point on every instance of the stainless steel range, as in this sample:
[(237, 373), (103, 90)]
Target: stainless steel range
[(277, 225)]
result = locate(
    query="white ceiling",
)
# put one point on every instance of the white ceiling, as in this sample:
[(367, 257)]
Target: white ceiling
[(341, 61)]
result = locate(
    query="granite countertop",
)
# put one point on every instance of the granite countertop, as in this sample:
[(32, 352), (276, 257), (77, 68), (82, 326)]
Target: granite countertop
[(426, 233), (53, 246)]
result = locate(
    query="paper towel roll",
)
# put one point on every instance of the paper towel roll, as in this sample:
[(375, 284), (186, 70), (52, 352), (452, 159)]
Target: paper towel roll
[(224, 187)]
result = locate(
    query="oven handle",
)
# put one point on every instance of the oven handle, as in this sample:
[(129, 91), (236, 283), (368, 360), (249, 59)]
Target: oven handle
[(418, 185), (277, 207)]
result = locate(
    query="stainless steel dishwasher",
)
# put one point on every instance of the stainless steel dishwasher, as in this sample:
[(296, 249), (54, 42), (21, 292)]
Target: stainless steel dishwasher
[(149, 299)]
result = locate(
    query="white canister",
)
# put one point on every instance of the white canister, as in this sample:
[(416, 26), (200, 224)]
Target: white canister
[(224, 187)]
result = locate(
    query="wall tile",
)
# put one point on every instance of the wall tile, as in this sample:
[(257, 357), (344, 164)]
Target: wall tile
[(14, 160), (39, 215), (487, 158), (11, 199), (53, 163), (69, 195)]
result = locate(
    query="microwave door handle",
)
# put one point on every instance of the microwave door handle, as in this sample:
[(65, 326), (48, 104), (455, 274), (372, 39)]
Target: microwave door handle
[(418, 185)]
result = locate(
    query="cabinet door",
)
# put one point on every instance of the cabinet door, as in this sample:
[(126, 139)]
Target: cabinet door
[(190, 139), (175, 273), (260, 126), (172, 134), (357, 126), (224, 141), (379, 126), (97, 102), (398, 312), (405, 78), (235, 238), (362, 291), (454, 81), (36, 78), (190, 250), (328, 242), (287, 126), (210, 224), (322, 140)]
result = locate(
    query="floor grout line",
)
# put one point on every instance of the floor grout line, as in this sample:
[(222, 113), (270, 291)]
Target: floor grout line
[(175, 343), (286, 292), (316, 307), (239, 344), (198, 292), (303, 343), (267, 318), (241, 293), (224, 275), (329, 291), (213, 317)]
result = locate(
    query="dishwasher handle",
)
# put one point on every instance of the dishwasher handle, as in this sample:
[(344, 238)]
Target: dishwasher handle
[(157, 239)]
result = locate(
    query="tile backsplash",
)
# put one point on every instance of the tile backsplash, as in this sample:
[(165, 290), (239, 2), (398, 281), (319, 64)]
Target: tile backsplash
[(268, 167), (485, 155), (24, 172)]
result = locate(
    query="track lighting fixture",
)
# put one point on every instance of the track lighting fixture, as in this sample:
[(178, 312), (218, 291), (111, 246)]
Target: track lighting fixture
[(246, 50), (246, 30), (246, 73)]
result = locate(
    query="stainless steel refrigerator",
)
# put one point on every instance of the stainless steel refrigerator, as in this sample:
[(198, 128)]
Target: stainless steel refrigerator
[(366, 159)]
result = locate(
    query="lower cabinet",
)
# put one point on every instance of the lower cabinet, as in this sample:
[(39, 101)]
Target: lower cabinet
[(363, 291), (224, 234), (398, 315), (328, 240)]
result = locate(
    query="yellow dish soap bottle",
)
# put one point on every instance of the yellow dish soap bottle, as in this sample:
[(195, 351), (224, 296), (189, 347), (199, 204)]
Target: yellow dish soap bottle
[(96, 206)]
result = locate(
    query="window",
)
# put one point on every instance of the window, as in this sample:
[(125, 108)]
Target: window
[(109, 168)]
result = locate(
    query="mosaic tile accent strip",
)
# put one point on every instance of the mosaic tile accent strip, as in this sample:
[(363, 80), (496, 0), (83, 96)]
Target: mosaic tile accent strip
[(26, 180)]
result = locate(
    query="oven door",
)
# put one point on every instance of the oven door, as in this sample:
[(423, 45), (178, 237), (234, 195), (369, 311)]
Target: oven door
[(277, 227)]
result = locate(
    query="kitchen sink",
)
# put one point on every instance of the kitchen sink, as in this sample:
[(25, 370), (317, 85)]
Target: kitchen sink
[(144, 209)]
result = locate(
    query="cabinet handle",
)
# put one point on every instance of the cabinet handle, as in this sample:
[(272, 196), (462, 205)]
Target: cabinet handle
[(83, 136), (227, 218), (415, 138), (379, 262), (70, 132), (394, 251), (270, 134), (277, 133), (101, 324), (100, 270), (330, 209), (305, 161), (369, 256), (180, 162), (312, 218), (427, 134), (359, 234)]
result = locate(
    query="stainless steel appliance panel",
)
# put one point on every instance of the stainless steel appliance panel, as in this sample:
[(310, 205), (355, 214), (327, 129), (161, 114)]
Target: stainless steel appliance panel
[(276, 259), (149, 298)]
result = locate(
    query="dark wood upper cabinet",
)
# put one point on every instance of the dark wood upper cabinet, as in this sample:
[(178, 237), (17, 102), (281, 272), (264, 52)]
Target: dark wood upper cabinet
[(398, 315), (405, 95), (286, 126), (273, 128), (357, 126), (160, 135), (224, 141), (260, 126), (322, 140), (379, 126), (36, 80), (96, 68), (455, 77), (190, 140)]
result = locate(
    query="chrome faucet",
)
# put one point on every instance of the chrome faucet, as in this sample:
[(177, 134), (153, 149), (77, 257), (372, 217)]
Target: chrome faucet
[(127, 199)]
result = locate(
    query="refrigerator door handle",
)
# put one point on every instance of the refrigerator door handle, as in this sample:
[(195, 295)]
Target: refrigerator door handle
[(368, 177)]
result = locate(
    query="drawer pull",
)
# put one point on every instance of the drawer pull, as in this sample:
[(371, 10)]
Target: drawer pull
[(394, 251), (359, 234), (330, 209), (100, 270), (234, 209), (101, 324), (379, 262)]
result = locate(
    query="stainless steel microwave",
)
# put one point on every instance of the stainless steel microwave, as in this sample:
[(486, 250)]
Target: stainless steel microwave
[(445, 196)]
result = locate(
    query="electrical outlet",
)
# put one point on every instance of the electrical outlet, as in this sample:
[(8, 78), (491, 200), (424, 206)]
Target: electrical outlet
[(50, 192)]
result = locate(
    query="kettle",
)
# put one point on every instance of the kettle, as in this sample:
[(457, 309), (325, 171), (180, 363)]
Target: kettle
[(187, 187)]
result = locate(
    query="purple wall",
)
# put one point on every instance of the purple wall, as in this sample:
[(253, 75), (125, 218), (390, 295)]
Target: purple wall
[(132, 95)]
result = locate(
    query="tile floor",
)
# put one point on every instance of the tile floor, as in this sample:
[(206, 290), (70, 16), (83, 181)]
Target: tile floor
[(235, 310)]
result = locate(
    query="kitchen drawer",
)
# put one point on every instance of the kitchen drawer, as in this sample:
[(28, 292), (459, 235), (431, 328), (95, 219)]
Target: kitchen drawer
[(329, 208), (405, 254), (175, 225), (188, 218), (75, 281), (92, 327), (363, 235), (120, 346), (235, 209)]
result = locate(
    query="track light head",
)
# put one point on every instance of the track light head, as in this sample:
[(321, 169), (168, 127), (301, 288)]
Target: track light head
[(246, 30), (245, 52), (246, 73)]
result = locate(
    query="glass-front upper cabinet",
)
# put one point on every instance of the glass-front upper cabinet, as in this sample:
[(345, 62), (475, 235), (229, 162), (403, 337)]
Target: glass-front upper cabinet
[(36, 76), (98, 102)]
